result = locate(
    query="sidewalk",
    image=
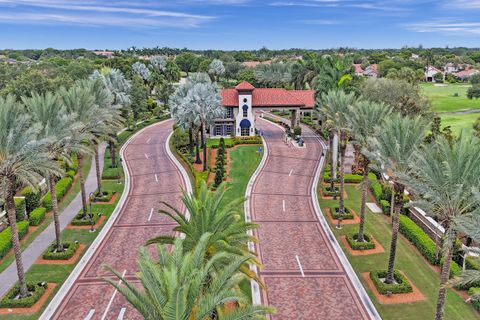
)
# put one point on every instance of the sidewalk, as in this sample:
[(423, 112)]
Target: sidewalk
[(9, 276)]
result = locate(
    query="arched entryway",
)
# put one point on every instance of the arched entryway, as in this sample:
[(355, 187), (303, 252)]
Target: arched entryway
[(245, 127)]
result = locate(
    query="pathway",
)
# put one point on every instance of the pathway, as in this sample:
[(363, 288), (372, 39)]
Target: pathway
[(152, 177), (305, 272), (9, 276)]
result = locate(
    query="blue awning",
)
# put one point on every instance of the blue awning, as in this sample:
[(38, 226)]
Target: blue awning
[(245, 123), (245, 107)]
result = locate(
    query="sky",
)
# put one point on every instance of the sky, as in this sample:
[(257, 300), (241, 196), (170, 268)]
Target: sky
[(238, 24)]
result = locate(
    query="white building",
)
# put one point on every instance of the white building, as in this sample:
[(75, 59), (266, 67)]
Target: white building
[(430, 73)]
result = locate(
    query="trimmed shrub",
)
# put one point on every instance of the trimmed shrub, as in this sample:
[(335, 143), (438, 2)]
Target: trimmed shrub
[(32, 198), (20, 208), (218, 177), (402, 285), (376, 189), (105, 196), (79, 221), (247, 140), (328, 192), (456, 270), (71, 174), (347, 215), (111, 174), (475, 301), (37, 216), (472, 263), (387, 190), (36, 289), (419, 239), (74, 165), (68, 252), (385, 207), (61, 188), (368, 244), (297, 131), (6, 237)]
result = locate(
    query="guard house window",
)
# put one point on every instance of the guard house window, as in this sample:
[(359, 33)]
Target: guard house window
[(245, 132), (245, 110), (229, 114), (229, 129), (218, 130)]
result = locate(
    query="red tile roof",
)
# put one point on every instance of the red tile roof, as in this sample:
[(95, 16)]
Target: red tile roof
[(244, 86), (253, 64), (271, 97), (466, 73), (358, 68)]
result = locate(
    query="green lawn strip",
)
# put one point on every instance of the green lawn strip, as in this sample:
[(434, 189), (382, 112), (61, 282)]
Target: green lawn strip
[(61, 206), (444, 100), (408, 260), (459, 122)]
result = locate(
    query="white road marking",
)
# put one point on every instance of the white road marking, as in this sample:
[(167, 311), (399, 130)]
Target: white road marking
[(148, 140), (121, 314), (113, 297), (290, 173), (150, 216), (283, 204), (300, 265), (156, 178), (90, 314), (146, 156)]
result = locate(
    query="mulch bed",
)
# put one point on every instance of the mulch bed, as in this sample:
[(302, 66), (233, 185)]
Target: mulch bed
[(36, 307), (356, 218), (112, 200), (397, 298), (378, 248), (95, 226), (72, 260)]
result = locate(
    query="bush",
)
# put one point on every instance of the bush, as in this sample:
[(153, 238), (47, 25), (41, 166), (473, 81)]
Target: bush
[(297, 131), (474, 91), (68, 252), (37, 216), (385, 207), (111, 174), (402, 285), (105, 196), (456, 270), (36, 289), (419, 239), (350, 177), (475, 301), (74, 165), (79, 221), (61, 188), (472, 263), (346, 216), (6, 237), (218, 177), (20, 208), (32, 198), (71, 174), (328, 192), (368, 244), (247, 140), (376, 189)]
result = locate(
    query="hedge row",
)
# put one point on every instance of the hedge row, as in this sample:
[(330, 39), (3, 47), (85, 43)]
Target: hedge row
[(355, 245), (37, 216), (61, 188), (350, 177), (348, 214), (6, 237), (20, 208), (328, 192), (36, 290), (105, 196), (247, 140), (402, 285), (69, 250), (79, 221), (32, 198)]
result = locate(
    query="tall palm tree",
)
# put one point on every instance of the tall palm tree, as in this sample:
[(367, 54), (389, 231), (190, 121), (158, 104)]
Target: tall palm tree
[(334, 106), (23, 159), (394, 149), (335, 73), (365, 117), (63, 138), (445, 176), (183, 285)]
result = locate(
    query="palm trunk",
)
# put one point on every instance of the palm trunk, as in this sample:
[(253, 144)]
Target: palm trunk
[(10, 202), (190, 140), (82, 185), (364, 200), (332, 167), (97, 167), (113, 155), (52, 183), (343, 148), (398, 189), (204, 146), (197, 149), (442, 292)]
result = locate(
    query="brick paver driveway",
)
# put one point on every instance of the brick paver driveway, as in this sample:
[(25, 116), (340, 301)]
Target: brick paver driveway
[(304, 276), (154, 177)]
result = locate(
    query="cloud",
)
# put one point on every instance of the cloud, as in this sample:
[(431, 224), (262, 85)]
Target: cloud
[(322, 22), (367, 5), (445, 27), (462, 4)]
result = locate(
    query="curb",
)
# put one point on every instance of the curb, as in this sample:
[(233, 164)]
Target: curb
[(67, 285)]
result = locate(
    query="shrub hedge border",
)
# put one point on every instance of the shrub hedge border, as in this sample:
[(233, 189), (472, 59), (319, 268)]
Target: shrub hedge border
[(37, 216), (70, 249), (354, 245), (8, 300), (402, 285)]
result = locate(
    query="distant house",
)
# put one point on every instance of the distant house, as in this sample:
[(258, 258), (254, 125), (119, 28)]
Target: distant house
[(358, 69), (450, 68), (12, 61), (371, 71), (108, 54), (414, 57), (430, 73), (464, 75), (253, 64)]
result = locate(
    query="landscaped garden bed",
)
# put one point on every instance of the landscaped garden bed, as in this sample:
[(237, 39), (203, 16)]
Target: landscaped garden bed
[(347, 215), (367, 244), (6, 237), (68, 252), (401, 284), (106, 196), (81, 220), (12, 300), (328, 192)]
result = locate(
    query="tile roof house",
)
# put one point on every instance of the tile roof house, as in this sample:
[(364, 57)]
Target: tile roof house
[(253, 64), (240, 102), (358, 69), (430, 73), (371, 71), (465, 74)]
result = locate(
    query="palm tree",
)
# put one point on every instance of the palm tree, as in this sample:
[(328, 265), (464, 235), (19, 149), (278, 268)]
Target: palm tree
[(63, 137), (183, 285), (334, 106), (394, 149), (446, 177), (335, 73), (364, 118), (23, 159)]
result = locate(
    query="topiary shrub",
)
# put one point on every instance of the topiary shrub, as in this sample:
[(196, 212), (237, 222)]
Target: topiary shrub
[(402, 285), (69, 250), (6, 237), (36, 291), (385, 205), (218, 177), (20, 209), (355, 245), (61, 188), (37, 216), (348, 214), (376, 189), (32, 198)]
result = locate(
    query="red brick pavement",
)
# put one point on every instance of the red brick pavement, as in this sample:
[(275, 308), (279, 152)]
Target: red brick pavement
[(291, 238), (154, 178)]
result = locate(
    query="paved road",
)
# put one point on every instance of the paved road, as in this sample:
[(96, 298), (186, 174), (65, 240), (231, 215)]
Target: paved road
[(304, 276), (154, 178), (9, 276)]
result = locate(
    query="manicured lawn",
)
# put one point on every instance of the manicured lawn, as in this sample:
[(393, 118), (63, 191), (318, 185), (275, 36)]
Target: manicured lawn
[(459, 122), (61, 206), (408, 260), (443, 99)]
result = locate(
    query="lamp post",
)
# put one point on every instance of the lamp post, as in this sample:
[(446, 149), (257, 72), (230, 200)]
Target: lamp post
[(92, 223), (339, 223)]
